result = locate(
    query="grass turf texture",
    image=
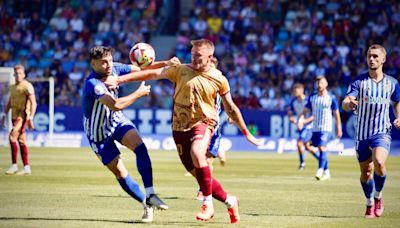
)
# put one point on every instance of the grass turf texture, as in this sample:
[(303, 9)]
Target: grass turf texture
[(70, 188)]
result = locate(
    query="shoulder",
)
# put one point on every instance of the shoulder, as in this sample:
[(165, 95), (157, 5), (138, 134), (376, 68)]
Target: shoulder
[(392, 79), (361, 77)]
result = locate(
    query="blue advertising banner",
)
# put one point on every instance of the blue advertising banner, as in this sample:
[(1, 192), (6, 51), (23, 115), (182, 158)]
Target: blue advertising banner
[(274, 124)]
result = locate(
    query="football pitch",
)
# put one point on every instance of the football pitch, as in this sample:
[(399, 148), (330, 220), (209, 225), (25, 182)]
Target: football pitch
[(70, 188)]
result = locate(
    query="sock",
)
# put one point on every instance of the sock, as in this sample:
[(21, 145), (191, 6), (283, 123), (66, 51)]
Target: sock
[(132, 188), (149, 191), (24, 153), (301, 157), (217, 191), (368, 188), (143, 164), (230, 201), (14, 152), (314, 154), (322, 160), (379, 183), (203, 176)]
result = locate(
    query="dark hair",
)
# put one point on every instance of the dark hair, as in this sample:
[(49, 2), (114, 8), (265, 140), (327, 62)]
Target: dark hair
[(99, 52)]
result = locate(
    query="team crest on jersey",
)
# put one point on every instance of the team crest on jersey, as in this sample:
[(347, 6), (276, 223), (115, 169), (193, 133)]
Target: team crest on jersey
[(386, 88)]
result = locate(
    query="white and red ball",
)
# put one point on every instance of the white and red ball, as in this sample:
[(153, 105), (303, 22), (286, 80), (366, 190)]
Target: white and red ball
[(142, 54)]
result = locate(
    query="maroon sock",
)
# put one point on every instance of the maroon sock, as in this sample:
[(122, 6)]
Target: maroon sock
[(14, 152), (24, 153), (217, 191), (203, 176)]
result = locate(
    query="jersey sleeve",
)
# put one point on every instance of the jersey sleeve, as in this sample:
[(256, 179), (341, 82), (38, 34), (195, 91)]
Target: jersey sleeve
[(396, 93), (354, 88), (335, 103), (224, 86), (29, 89), (95, 88), (308, 104), (171, 73), (122, 69)]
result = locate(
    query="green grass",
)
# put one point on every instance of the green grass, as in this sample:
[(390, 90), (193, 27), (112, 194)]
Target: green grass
[(70, 188)]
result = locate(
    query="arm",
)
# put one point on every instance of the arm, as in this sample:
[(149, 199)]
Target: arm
[(396, 110), (302, 121), (234, 113), (143, 75), (32, 100), (117, 104), (174, 61), (339, 132), (292, 118)]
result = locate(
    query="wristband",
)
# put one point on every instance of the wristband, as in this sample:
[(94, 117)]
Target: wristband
[(245, 132)]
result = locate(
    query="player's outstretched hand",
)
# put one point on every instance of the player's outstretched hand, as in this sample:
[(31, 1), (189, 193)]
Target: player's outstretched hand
[(353, 104), (254, 140), (174, 61), (111, 82), (396, 123), (143, 89)]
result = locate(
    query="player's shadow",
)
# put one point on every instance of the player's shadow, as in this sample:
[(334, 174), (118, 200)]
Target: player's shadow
[(119, 196), (100, 220), (315, 216)]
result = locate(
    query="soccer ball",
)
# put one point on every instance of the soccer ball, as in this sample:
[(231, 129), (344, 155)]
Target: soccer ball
[(142, 54)]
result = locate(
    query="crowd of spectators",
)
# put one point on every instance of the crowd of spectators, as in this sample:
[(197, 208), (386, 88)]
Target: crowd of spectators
[(263, 46), (57, 46)]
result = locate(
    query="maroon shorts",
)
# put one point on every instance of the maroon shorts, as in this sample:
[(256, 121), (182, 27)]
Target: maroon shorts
[(19, 124), (184, 140)]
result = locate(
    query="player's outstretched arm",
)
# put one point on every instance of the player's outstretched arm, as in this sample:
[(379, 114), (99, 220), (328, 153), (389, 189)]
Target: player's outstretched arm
[(349, 103), (143, 75), (117, 104), (234, 113), (174, 61)]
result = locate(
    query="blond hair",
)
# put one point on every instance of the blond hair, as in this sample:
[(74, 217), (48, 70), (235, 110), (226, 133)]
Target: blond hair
[(19, 66), (377, 46), (203, 42)]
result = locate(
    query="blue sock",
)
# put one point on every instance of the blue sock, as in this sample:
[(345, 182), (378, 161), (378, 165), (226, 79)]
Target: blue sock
[(143, 164), (368, 188), (379, 182), (322, 160), (132, 188), (301, 157), (315, 156), (326, 161)]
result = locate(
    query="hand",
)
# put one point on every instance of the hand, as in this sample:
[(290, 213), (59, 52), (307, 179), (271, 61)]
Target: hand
[(111, 82), (396, 123), (174, 61), (339, 133), (353, 104), (143, 90), (31, 125), (254, 140), (292, 119)]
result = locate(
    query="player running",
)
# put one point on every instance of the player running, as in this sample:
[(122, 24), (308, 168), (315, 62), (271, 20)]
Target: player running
[(369, 95)]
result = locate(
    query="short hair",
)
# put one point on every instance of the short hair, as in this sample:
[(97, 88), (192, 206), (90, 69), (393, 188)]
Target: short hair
[(203, 42), (319, 77), (377, 46), (19, 66), (99, 52), (298, 85)]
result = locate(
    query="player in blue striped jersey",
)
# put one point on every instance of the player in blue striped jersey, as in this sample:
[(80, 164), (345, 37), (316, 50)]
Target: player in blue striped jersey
[(369, 95), (104, 122), (296, 107), (321, 105)]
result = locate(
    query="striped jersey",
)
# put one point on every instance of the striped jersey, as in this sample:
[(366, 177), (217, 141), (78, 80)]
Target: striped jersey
[(297, 107), (373, 104), (218, 101), (100, 121), (321, 108)]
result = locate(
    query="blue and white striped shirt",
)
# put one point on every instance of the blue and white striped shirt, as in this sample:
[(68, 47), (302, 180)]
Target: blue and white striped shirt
[(297, 107), (99, 120), (321, 108), (218, 107), (373, 104)]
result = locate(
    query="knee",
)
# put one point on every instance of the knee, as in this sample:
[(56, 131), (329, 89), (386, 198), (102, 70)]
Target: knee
[(21, 141), (366, 175)]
